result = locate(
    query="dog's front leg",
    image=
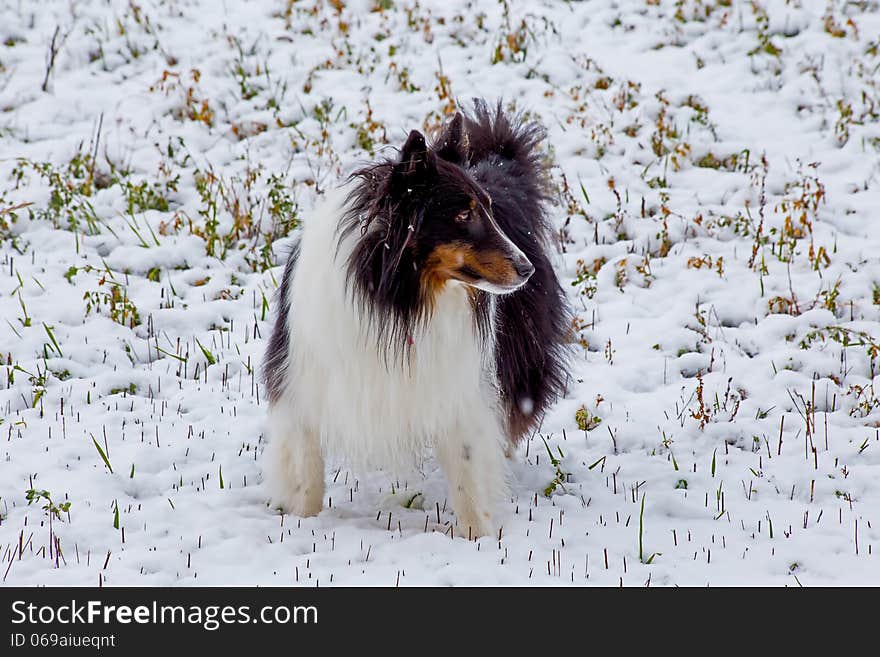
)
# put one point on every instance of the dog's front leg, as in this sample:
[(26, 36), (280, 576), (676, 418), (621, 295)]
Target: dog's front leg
[(293, 463), (472, 457)]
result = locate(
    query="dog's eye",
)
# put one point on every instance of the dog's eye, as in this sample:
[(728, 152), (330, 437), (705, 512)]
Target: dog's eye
[(463, 217)]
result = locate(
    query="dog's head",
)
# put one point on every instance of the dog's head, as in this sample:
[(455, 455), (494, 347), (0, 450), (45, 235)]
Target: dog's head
[(423, 223), (454, 235)]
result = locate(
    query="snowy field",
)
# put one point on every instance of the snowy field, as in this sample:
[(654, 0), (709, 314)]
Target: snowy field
[(718, 173)]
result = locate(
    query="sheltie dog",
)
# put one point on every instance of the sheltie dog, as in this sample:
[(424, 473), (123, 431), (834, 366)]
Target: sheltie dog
[(418, 309)]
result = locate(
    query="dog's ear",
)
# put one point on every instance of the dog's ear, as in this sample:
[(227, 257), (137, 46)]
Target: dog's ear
[(452, 143), (416, 159)]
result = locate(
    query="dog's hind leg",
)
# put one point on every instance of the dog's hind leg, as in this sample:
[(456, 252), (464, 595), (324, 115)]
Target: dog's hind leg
[(472, 457), (293, 463)]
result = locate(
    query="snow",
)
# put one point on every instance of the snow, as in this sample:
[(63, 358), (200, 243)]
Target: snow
[(687, 124)]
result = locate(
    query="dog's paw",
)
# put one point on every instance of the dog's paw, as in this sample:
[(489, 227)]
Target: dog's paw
[(473, 525), (303, 502)]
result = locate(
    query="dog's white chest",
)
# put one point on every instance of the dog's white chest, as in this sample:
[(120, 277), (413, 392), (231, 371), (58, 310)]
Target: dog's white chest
[(373, 409)]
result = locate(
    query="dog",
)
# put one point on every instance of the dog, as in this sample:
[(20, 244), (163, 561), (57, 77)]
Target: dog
[(420, 308)]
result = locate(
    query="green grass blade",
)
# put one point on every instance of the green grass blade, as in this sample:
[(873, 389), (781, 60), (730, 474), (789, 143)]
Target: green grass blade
[(103, 454)]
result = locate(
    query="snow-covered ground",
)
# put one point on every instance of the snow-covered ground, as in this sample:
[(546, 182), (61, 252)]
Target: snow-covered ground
[(717, 164)]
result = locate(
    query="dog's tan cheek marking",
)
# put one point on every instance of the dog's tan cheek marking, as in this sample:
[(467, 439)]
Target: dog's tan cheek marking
[(441, 265), (493, 266), (446, 261)]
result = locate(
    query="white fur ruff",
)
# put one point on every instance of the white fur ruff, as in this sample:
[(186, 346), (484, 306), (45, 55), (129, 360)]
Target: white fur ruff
[(342, 396)]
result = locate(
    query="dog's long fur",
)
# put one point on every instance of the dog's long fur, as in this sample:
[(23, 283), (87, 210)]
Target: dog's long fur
[(420, 309)]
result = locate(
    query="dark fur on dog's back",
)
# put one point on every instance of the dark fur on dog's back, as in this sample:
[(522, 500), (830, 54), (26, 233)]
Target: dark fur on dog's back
[(533, 323), (275, 360)]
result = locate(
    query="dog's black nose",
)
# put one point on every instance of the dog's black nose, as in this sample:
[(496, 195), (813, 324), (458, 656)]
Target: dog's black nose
[(524, 268)]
